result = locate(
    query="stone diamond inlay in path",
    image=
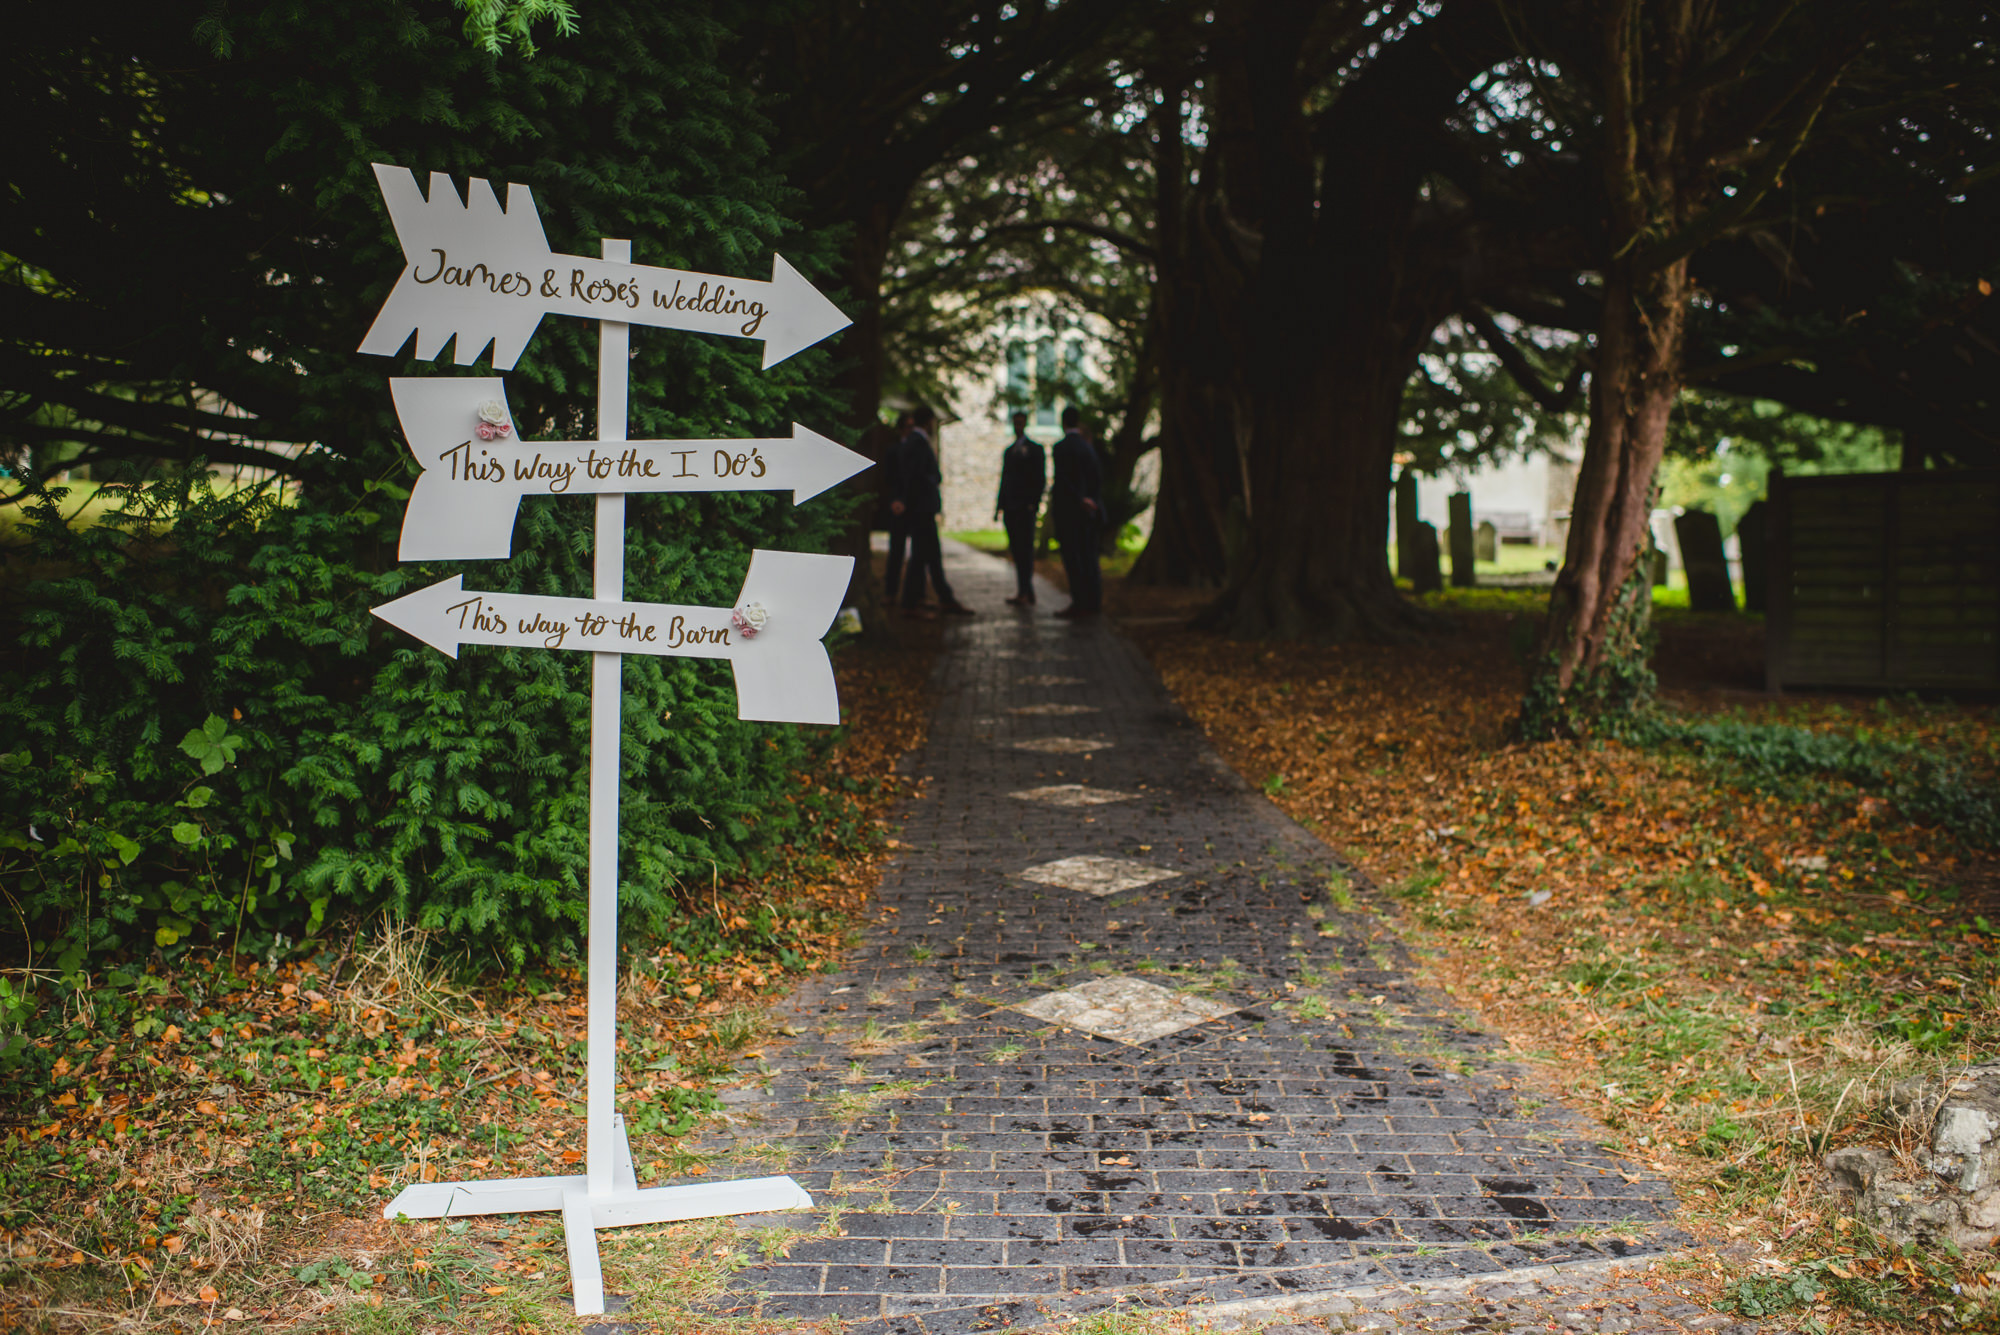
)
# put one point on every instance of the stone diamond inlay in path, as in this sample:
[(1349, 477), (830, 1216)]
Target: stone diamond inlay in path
[(1063, 746), (1072, 795), (1052, 710), (1124, 1010), (1093, 875)]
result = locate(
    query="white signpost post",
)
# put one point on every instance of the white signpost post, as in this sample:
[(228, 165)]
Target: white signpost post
[(484, 275)]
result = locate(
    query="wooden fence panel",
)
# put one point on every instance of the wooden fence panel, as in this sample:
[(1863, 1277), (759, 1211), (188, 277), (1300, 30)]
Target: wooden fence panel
[(1886, 581)]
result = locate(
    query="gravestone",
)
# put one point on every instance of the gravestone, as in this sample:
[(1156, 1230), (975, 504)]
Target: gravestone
[(1750, 538), (1700, 537), (1426, 572), (1658, 562), (1462, 557), (1406, 524), (1486, 542)]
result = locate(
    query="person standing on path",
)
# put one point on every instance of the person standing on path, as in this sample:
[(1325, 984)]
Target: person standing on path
[(1023, 479), (890, 479), (1076, 503), (921, 502)]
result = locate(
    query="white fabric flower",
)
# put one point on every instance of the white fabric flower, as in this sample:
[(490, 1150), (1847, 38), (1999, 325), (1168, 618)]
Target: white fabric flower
[(750, 619), (494, 412)]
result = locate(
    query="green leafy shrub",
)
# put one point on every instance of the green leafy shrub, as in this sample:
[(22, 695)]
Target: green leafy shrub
[(209, 733)]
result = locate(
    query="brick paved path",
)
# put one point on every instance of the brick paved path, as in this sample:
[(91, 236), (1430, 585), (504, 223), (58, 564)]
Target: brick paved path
[(1128, 1035)]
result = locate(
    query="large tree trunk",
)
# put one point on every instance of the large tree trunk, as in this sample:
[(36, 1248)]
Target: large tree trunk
[(1198, 512), (1195, 347), (1317, 528), (1593, 645), (1594, 641), (1343, 300), (1123, 446), (1337, 314), (1193, 508)]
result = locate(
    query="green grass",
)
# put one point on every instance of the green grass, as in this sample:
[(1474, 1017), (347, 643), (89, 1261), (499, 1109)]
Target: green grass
[(1115, 563), (1509, 559), (1519, 559), (985, 539), (1310, 1007), (1926, 771)]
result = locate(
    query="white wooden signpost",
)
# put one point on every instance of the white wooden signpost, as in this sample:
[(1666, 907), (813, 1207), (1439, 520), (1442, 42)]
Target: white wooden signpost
[(481, 275)]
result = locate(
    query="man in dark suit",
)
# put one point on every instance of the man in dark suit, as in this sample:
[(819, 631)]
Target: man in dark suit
[(889, 477), (1023, 478), (1076, 503), (921, 502)]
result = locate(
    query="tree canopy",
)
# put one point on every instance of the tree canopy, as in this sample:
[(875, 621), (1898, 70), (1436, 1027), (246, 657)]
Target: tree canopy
[(1323, 239)]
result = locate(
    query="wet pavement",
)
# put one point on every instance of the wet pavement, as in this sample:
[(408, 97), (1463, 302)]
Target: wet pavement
[(1126, 1036)]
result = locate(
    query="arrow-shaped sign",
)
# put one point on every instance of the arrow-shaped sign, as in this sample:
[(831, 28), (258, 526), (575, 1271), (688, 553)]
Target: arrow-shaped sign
[(783, 674), (486, 275), (462, 508)]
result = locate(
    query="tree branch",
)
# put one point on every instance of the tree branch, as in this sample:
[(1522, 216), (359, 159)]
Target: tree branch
[(1731, 211), (1580, 318), (1124, 241), (1725, 68), (121, 446), (1519, 367), (1730, 366)]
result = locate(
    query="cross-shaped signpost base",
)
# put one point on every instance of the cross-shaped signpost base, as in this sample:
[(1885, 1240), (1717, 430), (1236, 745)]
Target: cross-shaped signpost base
[(607, 1194), (626, 1204)]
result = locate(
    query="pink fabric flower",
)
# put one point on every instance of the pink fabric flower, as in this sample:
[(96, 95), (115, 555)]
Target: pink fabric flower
[(492, 430)]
